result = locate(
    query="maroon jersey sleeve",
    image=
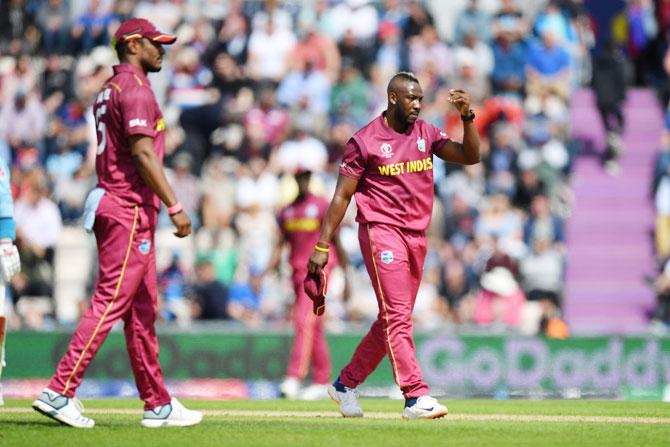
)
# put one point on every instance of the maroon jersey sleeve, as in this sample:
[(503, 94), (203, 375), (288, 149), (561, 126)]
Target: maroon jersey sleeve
[(353, 161), (438, 137), (138, 111)]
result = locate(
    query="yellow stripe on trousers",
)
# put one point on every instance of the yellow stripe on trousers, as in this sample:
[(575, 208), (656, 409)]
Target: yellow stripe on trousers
[(109, 306), (384, 311)]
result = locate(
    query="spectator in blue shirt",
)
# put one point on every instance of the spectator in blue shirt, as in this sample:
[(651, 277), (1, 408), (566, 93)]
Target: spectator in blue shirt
[(548, 66), (509, 64)]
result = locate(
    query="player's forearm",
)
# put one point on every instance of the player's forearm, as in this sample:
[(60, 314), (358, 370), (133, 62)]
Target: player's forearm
[(334, 215), (471, 143), (151, 171)]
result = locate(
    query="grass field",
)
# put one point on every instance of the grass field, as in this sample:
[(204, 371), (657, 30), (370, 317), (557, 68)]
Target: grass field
[(286, 423)]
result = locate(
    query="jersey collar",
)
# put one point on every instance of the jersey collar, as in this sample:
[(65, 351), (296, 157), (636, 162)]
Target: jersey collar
[(128, 68)]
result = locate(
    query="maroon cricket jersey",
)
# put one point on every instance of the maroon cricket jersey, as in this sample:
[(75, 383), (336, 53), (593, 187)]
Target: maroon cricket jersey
[(126, 106), (394, 172), (300, 222)]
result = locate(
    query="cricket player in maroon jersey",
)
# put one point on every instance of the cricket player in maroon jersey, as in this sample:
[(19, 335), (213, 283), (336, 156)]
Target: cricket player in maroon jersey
[(388, 166), (300, 223), (122, 212)]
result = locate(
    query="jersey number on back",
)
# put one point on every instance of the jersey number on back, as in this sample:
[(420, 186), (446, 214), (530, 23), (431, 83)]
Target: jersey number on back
[(103, 96)]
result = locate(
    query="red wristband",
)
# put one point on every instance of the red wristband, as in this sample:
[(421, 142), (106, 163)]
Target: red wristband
[(174, 209)]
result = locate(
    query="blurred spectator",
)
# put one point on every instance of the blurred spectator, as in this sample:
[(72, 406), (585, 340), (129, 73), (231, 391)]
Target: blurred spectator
[(270, 47), (189, 86), (23, 121), (302, 149), (609, 86), (272, 12), (38, 224), (498, 221), (186, 186), (454, 288), (233, 37), (500, 300), (661, 315), (483, 54), (18, 33), (244, 304), (389, 57), (318, 49), (418, 18), (54, 22), (21, 77), (472, 21), (509, 54), (548, 67), (210, 296), (306, 90), (661, 190), (542, 277), (56, 82), (349, 99), (353, 54), (468, 77), (510, 19), (172, 285), (92, 28), (543, 225), (426, 49), (642, 29)]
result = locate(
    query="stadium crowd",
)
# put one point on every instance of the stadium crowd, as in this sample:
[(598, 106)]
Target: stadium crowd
[(252, 90)]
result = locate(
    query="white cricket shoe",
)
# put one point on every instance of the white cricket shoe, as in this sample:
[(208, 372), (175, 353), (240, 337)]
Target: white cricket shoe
[(314, 392), (290, 388), (173, 414), (426, 407), (347, 400), (66, 410)]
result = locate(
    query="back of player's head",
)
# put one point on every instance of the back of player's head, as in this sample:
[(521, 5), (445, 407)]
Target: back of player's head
[(401, 76)]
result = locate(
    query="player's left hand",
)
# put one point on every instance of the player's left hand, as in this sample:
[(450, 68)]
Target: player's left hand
[(317, 261), (460, 99), (10, 264), (183, 224)]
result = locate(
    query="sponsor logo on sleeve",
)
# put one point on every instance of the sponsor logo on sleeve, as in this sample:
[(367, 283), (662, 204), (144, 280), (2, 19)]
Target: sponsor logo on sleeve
[(137, 122), (387, 256)]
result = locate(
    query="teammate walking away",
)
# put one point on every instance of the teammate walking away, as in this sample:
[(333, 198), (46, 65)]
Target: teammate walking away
[(122, 212), (388, 165), (299, 224)]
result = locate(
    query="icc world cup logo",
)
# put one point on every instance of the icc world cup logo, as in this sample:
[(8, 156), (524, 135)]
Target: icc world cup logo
[(387, 150)]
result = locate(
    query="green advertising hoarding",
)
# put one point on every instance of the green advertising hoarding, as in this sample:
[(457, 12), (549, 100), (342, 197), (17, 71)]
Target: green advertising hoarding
[(454, 365)]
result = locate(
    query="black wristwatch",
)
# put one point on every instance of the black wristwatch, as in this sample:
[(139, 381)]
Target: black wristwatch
[(469, 117)]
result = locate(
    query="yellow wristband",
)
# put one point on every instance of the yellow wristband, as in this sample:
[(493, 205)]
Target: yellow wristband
[(321, 249)]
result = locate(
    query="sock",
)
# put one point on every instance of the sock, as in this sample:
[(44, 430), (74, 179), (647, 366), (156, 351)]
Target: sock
[(410, 401), (339, 386)]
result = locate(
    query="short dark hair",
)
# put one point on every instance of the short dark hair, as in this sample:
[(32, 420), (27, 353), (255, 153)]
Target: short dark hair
[(401, 75), (121, 49)]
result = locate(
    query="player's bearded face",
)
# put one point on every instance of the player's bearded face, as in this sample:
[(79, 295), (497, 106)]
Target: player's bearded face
[(409, 102), (152, 55)]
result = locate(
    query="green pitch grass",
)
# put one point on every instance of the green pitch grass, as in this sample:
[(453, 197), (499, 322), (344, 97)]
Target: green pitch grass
[(285, 423)]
